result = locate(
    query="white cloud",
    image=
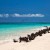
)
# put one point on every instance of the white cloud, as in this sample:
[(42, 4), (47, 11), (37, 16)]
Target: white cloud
[(6, 15), (37, 15), (21, 15), (28, 15), (1, 15)]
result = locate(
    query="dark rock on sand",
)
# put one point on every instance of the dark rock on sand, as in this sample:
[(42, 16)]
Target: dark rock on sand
[(15, 41), (23, 39)]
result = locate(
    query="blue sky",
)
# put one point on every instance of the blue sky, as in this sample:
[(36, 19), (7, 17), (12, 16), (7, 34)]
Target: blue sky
[(25, 7)]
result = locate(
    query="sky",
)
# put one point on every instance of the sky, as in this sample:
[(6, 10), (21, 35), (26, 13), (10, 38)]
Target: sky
[(24, 10)]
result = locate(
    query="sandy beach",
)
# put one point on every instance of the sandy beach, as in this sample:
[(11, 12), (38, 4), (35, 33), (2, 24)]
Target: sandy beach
[(40, 43), (24, 24)]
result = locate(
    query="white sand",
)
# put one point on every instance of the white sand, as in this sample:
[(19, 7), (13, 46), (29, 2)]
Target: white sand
[(40, 43)]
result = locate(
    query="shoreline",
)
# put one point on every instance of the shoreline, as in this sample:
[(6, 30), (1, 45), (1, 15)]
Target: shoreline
[(40, 43), (23, 32)]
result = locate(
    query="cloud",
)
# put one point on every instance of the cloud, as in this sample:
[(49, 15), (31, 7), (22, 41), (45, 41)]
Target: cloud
[(28, 15), (1, 15), (21, 15), (4, 15)]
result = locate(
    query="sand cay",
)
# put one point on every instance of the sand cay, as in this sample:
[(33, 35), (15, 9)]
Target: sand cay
[(40, 43)]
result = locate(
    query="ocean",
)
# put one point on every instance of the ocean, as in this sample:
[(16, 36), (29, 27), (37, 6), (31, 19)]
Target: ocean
[(18, 29)]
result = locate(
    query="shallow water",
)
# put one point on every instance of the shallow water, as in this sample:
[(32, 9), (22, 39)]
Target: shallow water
[(11, 29)]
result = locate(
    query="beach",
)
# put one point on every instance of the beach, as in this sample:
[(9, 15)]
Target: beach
[(24, 24), (40, 43), (8, 32)]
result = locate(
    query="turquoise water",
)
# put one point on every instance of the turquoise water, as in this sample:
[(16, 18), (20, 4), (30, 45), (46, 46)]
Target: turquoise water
[(12, 28)]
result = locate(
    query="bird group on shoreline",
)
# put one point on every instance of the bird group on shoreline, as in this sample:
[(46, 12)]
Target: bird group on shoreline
[(28, 38)]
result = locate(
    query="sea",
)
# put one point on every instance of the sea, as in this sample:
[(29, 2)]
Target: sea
[(19, 28)]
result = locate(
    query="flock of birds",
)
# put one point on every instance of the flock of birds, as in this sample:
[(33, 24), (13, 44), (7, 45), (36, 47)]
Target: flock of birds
[(28, 38)]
